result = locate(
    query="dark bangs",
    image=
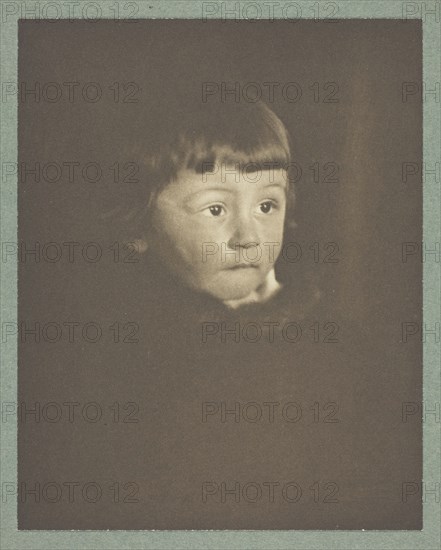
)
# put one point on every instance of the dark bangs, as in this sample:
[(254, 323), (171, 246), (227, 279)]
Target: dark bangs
[(246, 134)]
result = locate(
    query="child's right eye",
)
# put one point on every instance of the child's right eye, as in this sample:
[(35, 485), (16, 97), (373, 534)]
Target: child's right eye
[(216, 210)]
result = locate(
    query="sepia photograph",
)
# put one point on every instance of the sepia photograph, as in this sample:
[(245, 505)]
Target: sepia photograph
[(220, 256)]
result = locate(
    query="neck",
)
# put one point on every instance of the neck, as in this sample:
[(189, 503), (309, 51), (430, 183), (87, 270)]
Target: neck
[(262, 293)]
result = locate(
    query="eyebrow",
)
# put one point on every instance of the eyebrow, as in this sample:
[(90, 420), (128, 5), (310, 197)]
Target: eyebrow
[(275, 184), (216, 188), (219, 188), (280, 185), (196, 194)]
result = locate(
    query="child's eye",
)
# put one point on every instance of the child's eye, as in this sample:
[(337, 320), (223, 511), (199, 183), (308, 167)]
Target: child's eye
[(267, 206), (216, 210)]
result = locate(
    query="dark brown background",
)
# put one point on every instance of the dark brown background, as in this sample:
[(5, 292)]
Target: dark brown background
[(369, 212)]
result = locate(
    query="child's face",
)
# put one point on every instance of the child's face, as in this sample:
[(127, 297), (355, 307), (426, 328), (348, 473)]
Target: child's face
[(211, 230)]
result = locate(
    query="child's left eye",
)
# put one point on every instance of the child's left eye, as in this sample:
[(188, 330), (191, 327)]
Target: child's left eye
[(266, 207)]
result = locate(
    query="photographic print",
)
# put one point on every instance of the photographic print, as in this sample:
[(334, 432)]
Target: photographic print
[(220, 275)]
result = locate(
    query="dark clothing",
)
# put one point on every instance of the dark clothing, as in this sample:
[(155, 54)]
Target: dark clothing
[(273, 416)]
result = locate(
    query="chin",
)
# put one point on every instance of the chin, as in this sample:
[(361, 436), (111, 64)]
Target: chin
[(228, 296), (225, 285), (233, 291)]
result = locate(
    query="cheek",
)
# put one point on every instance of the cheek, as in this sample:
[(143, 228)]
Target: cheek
[(274, 228), (194, 234), (182, 238), (273, 233)]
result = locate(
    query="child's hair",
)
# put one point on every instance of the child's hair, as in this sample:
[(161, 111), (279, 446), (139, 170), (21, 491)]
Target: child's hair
[(202, 137)]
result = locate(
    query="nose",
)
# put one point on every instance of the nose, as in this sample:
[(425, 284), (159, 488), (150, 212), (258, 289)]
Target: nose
[(244, 232)]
